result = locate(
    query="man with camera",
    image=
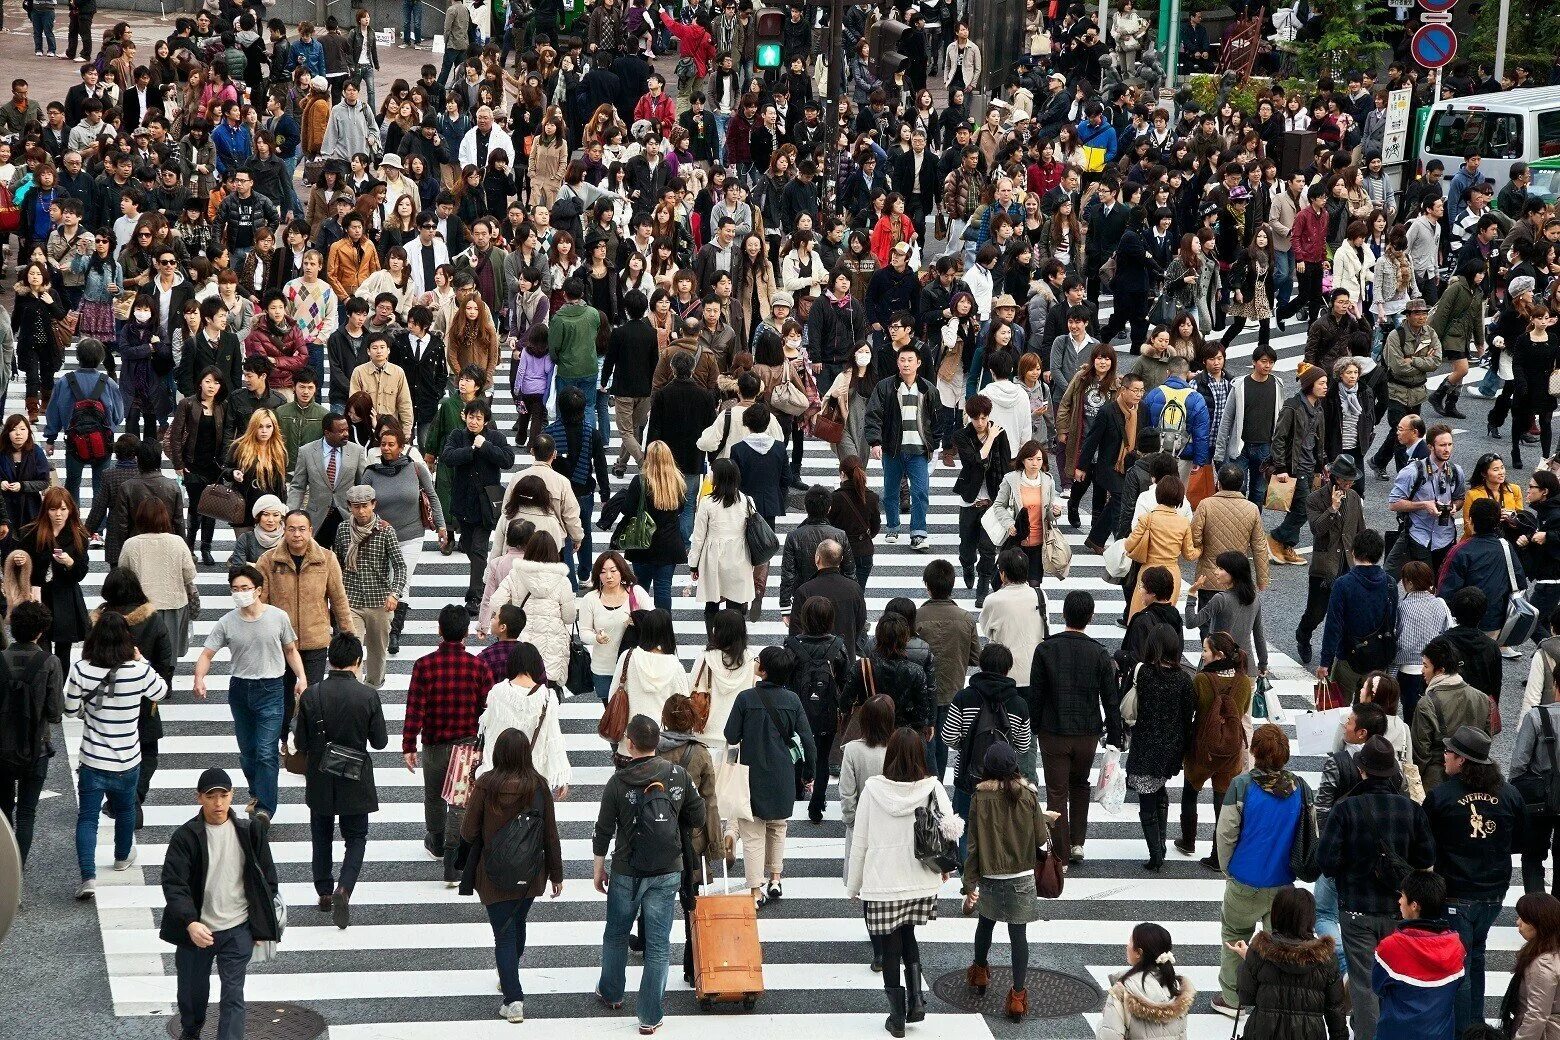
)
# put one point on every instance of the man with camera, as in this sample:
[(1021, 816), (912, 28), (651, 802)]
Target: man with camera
[(1427, 496)]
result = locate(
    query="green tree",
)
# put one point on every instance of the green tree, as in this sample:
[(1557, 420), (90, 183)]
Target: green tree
[(1351, 37)]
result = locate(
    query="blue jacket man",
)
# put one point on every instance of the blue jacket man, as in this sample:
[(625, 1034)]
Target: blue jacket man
[(1199, 423), (234, 143), (1360, 602), (76, 386), (1095, 132), (1481, 561), (309, 53)]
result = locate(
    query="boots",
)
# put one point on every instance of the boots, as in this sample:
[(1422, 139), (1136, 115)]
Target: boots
[(982, 586), (895, 1022), (1153, 835), (760, 581), (1017, 1004), (969, 575), (978, 976), (397, 623), (915, 1004), (32, 408)]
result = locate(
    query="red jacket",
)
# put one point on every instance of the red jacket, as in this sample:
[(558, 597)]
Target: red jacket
[(658, 110), (1308, 236), (694, 42), (288, 353)]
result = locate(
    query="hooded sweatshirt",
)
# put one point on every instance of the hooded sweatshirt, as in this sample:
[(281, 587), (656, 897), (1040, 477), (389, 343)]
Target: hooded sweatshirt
[(616, 818), (1010, 411), (883, 867), (1417, 971), (649, 680)]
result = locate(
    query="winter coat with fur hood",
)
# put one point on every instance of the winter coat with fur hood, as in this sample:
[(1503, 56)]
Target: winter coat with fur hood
[(1138, 1007), (1293, 989)]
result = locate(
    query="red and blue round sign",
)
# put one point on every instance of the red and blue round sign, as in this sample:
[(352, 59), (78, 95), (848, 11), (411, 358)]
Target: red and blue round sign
[(1437, 6), (1433, 45)]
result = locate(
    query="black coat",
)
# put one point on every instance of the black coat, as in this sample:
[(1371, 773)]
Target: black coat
[(226, 356), (1163, 733), (667, 545), (978, 477), (1293, 989), (1103, 440), (850, 607), (679, 412), (429, 376), (61, 585), (473, 471), (339, 710), (184, 879), (771, 773), (763, 476), (1136, 267)]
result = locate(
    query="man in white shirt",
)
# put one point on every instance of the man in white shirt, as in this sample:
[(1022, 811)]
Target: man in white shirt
[(483, 139)]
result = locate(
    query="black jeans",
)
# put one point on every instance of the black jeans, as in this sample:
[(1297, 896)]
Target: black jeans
[(1390, 448), (976, 553), (1107, 500), (231, 952), (474, 543), (354, 833), (1543, 842), (204, 525), (1317, 593), (1131, 312), (824, 740), (1309, 296), (80, 29), (19, 795)]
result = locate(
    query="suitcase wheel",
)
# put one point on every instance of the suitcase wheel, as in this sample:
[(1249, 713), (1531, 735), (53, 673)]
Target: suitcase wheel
[(749, 1003), (706, 1004)]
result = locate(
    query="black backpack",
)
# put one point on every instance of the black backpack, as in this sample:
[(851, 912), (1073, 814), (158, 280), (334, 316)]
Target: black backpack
[(24, 736), (657, 841), (991, 725), (1540, 788), (517, 854), (815, 682)]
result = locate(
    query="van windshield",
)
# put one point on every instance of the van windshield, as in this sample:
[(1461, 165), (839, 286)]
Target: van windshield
[(1494, 135), (1549, 134)]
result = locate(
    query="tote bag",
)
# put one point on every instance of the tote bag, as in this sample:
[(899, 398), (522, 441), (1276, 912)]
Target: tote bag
[(732, 792)]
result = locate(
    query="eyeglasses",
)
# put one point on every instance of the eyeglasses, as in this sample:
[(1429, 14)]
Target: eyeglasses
[(143, 234), (167, 263)]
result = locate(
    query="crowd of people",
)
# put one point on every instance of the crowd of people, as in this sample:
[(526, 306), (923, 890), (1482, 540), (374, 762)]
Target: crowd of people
[(302, 290)]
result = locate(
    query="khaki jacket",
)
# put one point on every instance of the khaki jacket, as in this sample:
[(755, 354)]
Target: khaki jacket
[(1224, 522), (309, 597), (389, 390)]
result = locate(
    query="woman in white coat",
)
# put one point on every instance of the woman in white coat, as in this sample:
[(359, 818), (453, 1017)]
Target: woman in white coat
[(898, 891), (1354, 266), (650, 672), (522, 702), (1026, 504), (538, 584), (718, 556), (604, 614), (725, 669), (861, 760)]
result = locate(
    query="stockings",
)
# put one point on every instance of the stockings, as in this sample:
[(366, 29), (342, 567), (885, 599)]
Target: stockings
[(899, 947), (1018, 943)]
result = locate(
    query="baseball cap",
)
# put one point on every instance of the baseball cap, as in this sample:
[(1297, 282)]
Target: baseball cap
[(214, 780)]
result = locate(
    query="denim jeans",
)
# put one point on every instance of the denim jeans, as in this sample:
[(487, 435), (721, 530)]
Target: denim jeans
[(73, 468), (1326, 893), (1251, 460), (93, 785), (1283, 275), (507, 919), (895, 467), (579, 557), (19, 794), (411, 19), (257, 723), (657, 577), (1489, 386), (602, 684), (626, 897), (1362, 933), (1472, 920), (231, 952), (43, 30), (694, 480), (720, 135)]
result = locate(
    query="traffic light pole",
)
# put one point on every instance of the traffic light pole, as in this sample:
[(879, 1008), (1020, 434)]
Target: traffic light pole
[(833, 62)]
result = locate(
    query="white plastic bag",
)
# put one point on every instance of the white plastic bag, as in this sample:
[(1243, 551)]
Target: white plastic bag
[(1110, 789), (1117, 562), (1316, 730)]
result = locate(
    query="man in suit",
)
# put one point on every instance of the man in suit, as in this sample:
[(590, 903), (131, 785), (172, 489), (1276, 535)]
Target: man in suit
[(89, 88), (140, 101), (915, 177), (327, 470)]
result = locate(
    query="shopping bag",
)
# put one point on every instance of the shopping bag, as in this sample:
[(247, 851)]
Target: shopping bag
[(1329, 695), (1117, 563), (1280, 494), (1316, 730), (457, 778), (1110, 788), (1200, 485), (732, 793)]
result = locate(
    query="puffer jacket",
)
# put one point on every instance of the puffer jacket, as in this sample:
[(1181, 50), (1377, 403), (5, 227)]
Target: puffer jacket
[(1140, 1008), (543, 591), (1226, 521), (1293, 989)]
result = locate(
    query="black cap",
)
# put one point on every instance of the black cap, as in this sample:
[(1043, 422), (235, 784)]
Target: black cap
[(1377, 758), (214, 780)]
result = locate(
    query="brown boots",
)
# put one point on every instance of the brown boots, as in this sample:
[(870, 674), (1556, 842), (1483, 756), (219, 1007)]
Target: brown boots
[(979, 977), (1017, 1004), (32, 409)]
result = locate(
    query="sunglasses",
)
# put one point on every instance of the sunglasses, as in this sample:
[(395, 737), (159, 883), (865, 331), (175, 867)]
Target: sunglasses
[(167, 263)]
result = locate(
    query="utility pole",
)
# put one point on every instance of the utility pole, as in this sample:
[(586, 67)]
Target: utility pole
[(833, 61), (1500, 42), (1171, 34)]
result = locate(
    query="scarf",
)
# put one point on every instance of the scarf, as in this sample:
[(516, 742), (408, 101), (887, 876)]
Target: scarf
[(267, 540), (1279, 783), (842, 302), (359, 535), (1128, 442), (1349, 400)]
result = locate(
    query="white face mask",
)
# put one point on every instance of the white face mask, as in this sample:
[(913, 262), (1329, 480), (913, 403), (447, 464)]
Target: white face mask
[(794, 342), (244, 598), (863, 357), (143, 315)]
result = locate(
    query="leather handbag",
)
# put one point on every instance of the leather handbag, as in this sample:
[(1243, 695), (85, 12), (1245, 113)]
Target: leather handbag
[(221, 502), (425, 509), (701, 696), (828, 425), (933, 848), (64, 330), (579, 679), (1050, 874), (614, 720), (760, 537), (788, 399)]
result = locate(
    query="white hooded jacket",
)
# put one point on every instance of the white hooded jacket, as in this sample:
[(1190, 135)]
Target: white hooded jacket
[(883, 867), (650, 679), (1010, 411), (543, 591), (515, 707)]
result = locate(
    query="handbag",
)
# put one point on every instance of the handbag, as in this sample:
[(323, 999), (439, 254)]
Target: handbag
[(1117, 563), (1521, 615), (732, 792), (933, 848), (1199, 485), (700, 697), (1055, 554), (425, 510), (828, 426), (639, 531), (579, 679), (760, 537), (221, 502), (1554, 383), (614, 720), (788, 399), (1050, 874), (64, 330), (457, 778), (1129, 703), (1280, 495), (1302, 851), (124, 306)]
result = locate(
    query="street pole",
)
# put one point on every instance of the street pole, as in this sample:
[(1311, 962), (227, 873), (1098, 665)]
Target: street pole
[(1172, 50), (1500, 41), (836, 73)]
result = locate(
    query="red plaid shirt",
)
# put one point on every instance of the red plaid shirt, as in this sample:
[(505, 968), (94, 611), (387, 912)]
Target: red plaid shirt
[(496, 657), (448, 694)]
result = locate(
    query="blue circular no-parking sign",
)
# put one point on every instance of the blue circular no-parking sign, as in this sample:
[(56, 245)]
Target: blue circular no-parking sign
[(1434, 45)]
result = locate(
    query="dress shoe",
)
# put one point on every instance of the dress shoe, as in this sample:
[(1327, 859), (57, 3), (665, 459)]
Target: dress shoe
[(340, 910)]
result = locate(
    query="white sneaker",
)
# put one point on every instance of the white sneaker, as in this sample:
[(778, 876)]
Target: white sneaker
[(87, 890), (514, 1011), (891, 537), (128, 861), (1510, 653)]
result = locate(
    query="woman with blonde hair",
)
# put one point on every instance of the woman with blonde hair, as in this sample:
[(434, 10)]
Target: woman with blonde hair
[(257, 463), (664, 491), (16, 581)]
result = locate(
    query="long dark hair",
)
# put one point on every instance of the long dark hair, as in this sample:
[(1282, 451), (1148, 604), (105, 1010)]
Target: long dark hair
[(877, 720), (655, 631), (905, 759), (1152, 942), (728, 634), (1238, 567), (854, 477), (512, 762), (726, 482), (1542, 911)]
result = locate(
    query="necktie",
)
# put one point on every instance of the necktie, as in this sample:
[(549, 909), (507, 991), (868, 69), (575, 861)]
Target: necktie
[(330, 470)]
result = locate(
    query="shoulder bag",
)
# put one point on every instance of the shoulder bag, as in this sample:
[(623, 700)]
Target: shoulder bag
[(338, 760), (829, 424), (1302, 851), (579, 679), (1050, 874), (760, 537), (637, 534), (793, 742), (222, 502), (1521, 615), (933, 848), (614, 720), (788, 399), (700, 696)]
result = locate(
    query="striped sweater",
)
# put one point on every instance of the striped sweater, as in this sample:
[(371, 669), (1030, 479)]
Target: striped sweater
[(111, 740)]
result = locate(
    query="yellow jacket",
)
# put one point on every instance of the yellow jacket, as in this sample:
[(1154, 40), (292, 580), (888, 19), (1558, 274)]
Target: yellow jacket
[(389, 390)]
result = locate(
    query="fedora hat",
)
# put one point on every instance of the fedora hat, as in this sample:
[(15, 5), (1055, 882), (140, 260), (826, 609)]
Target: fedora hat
[(1469, 743)]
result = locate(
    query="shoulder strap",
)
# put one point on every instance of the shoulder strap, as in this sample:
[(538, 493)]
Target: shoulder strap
[(1511, 574), (774, 716), (546, 702), (867, 678)]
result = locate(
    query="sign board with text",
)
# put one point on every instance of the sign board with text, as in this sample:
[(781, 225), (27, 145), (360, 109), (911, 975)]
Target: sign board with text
[(1394, 142)]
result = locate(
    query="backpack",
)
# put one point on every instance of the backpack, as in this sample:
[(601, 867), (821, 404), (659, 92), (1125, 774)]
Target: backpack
[(517, 854), (24, 736), (815, 684), (1174, 435), (991, 725), (88, 433), (1220, 735), (1540, 789), (657, 836)]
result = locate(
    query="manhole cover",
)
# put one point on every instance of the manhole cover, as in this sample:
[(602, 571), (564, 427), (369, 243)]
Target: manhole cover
[(273, 1022), (1052, 994)]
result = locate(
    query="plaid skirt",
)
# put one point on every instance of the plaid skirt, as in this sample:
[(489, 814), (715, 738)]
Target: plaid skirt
[(884, 917), (96, 320)]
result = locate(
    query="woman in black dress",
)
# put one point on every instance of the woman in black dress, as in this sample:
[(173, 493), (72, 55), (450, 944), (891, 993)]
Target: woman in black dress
[(24, 473), (56, 543)]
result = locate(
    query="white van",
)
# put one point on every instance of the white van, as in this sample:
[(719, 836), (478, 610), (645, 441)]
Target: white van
[(1503, 128)]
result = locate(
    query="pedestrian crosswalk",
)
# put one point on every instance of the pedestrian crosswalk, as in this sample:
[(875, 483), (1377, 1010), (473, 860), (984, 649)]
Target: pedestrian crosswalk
[(417, 961)]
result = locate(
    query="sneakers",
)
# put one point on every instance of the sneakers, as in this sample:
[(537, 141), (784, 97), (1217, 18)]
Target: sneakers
[(920, 543), (1225, 1009), (127, 862), (645, 1030), (1276, 551), (513, 1012), (1510, 653), (892, 538), (88, 889), (1076, 855), (610, 1005)]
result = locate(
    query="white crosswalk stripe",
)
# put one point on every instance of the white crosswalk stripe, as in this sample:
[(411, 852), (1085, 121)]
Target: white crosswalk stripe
[(418, 962)]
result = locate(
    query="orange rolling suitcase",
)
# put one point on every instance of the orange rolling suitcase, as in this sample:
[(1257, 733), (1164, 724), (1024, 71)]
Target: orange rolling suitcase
[(728, 962)]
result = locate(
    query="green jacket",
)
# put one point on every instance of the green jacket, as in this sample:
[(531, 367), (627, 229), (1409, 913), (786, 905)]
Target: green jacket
[(571, 340), (450, 417), (1459, 316), (1002, 833), (300, 425)]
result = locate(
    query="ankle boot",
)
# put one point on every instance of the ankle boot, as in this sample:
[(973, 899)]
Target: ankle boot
[(397, 623), (1017, 1004), (915, 999), (1452, 411), (978, 976), (32, 408), (895, 1022), (206, 558)]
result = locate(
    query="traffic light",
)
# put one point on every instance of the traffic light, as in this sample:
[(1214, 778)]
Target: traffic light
[(886, 56), (771, 23)]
